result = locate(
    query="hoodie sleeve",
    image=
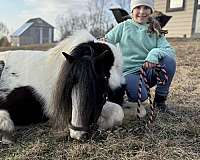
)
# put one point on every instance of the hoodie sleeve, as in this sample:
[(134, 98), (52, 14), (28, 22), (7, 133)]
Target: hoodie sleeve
[(114, 35), (163, 49)]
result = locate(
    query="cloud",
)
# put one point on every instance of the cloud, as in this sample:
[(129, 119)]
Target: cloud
[(49, 10), (53, 7)]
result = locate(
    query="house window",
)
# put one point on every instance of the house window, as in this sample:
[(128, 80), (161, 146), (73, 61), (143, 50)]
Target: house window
[(197, 27), (175, 5), (198, 4)]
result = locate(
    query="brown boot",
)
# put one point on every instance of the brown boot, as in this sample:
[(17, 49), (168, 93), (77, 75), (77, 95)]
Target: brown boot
[(159, 103)]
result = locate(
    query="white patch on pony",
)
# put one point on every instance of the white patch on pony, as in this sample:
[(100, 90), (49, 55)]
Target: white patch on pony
[(21, 66), (116, 73), (75, 114), (112, 115), (6, 124)]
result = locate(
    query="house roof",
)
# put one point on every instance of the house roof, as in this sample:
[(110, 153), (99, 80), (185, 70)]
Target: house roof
[(30, 22)]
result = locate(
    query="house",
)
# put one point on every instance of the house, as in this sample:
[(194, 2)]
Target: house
[(185, 21), (34, 31)]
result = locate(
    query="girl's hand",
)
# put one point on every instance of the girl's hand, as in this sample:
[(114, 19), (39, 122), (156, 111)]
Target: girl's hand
[(149, 65)]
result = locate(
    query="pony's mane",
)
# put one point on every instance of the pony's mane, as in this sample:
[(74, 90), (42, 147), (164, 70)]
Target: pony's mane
[(77, 78), (55, 56), (74, 77)]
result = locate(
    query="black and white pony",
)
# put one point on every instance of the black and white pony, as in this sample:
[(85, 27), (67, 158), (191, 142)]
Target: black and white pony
[(67, 84)]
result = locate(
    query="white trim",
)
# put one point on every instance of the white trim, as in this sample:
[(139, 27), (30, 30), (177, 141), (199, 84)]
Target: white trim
[(41, 35), (50, 35)]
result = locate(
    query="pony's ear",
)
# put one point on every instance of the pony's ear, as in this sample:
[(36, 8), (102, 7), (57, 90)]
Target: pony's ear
[(68, 57)]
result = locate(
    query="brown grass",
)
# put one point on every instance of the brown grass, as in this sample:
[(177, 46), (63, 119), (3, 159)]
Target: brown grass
[(171, 137), (42, 47)]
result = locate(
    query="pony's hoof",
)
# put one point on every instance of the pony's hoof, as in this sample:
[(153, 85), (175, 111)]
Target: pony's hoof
[(6, 141)]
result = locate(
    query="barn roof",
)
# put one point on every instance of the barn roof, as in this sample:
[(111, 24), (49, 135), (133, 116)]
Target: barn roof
[(39, 20), (21, 29), (28, 24)]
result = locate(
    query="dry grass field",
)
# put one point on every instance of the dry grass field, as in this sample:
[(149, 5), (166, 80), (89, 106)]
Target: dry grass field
[(170, 138)]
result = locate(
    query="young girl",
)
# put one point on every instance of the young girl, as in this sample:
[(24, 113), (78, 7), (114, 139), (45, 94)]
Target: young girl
[(141, 48)]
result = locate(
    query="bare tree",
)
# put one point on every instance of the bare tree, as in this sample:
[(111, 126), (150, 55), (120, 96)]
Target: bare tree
[(96, 20), (99, 17), (3, 35), (67, 24), (3, 29), (124, 3)]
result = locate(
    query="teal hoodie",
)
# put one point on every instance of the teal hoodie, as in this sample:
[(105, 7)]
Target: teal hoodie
[(137, 45)]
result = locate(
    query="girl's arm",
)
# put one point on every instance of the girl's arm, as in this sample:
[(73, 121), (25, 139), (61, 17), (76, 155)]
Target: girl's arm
[(163, 48), (115, 34)]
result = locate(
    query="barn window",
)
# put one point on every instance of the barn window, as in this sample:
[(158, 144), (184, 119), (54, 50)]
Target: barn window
[(175, 5)]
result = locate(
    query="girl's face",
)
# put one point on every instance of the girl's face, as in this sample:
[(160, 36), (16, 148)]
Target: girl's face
[(140, 14)]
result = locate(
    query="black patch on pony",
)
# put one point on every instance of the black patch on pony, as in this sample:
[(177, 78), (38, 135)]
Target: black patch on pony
[(24, 106), (87, 68), (117, 95)]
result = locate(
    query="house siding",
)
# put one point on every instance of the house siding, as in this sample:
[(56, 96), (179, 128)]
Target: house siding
[(180, 25)]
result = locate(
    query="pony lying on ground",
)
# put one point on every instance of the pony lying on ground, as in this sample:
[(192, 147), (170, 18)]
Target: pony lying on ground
[(68, 84)]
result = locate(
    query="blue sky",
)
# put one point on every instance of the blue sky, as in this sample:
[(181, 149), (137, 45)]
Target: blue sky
[(15, 13), (10, 12)]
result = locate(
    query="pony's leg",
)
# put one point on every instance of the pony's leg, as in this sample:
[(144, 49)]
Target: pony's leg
[(117, 95), (2, 64), (112, 115), (6, 127)]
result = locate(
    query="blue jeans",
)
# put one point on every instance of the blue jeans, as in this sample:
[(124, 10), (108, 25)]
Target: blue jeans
[(132, 80)]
